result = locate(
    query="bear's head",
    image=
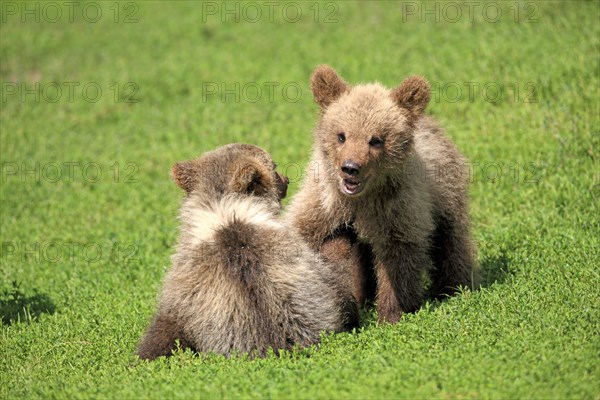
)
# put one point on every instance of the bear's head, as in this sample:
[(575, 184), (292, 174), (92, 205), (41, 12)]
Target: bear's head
[(235, 168), (365, 132)]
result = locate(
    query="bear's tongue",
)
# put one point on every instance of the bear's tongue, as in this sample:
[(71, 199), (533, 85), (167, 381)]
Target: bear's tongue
[(352, 186)]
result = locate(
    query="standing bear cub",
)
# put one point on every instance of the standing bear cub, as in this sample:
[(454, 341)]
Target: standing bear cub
[(240, 280), (386, 188)]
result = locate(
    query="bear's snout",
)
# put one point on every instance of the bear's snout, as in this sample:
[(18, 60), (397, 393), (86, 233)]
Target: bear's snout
[(351, 183), (282, 183), (351, 168)]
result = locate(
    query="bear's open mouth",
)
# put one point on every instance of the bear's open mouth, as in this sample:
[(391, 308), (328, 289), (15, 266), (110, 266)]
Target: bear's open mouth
[(351, 186)]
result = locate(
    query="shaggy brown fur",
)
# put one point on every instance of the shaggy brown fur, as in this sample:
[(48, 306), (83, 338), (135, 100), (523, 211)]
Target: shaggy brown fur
[(352, 259), (386, 175), (241, 279)]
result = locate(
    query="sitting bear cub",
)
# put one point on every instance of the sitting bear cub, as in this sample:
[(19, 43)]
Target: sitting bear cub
[(241, 281), (388, 189)]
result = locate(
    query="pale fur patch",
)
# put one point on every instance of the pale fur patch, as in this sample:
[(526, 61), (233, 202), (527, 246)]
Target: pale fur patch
[(328, 187), (203, 222), (329, 196)]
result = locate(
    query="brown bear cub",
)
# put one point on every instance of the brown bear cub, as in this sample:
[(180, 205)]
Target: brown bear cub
[(241, 280), (386, 189)]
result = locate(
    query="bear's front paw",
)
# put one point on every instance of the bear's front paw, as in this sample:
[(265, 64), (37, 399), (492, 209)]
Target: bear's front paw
[(388, 313)]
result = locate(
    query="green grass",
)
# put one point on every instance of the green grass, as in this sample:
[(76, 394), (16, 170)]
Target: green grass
[(74, 308)]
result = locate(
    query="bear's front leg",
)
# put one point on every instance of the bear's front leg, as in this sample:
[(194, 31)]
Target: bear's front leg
[(399, 269)]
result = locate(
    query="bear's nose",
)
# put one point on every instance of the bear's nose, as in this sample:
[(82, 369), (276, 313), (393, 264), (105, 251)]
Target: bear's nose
[(350, 167)]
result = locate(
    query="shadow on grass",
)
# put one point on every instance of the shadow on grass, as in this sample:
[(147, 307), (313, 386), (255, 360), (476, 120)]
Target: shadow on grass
[(494, 270), (16, 306)]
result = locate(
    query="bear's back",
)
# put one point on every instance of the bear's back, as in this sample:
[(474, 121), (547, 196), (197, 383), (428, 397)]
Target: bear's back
[(243, 281), (444, 166)]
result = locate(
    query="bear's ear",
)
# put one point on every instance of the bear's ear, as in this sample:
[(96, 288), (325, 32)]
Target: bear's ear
[(251, 178), (326, 85), (413, 95), (185, 175)]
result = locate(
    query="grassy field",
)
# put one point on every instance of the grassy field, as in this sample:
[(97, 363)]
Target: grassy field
[(99, 99)]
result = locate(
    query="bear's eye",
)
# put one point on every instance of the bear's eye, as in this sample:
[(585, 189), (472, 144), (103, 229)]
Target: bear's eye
[(376, 142), (341, 137)]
